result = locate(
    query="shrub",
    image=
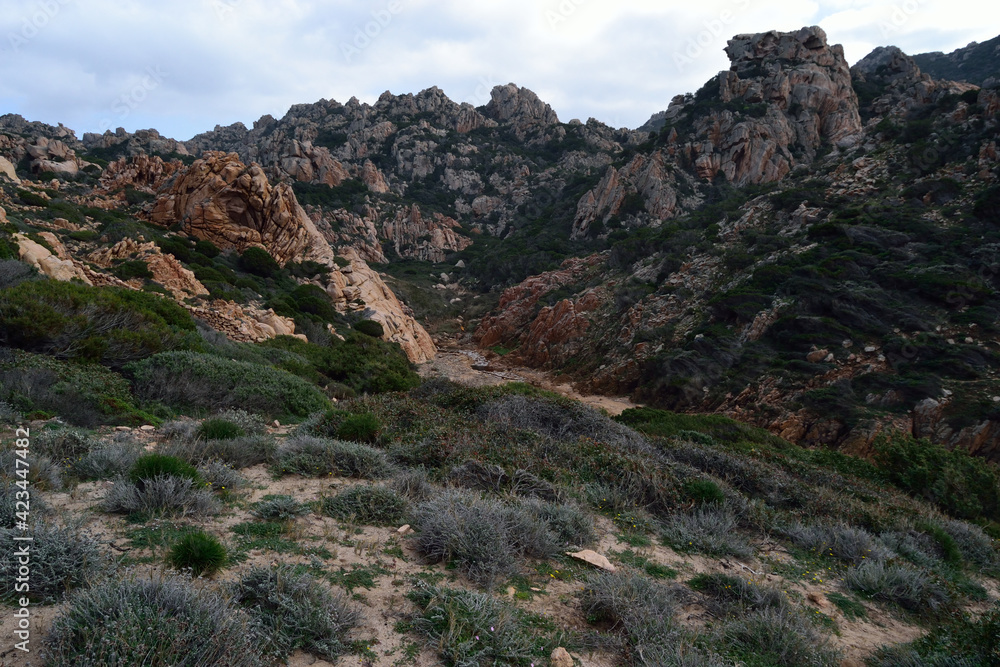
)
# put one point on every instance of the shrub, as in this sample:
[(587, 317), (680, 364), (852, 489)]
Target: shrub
[(109, 325), (180, 429), (198, 552), (853, 545), (86, 395), (363, 363), (360, 428), (703, 491), (40, 472), (296, 612), (133, 269), (160, 495), (278, 508), (906, 586), (64, 444), (62, 560), (569, 524), (469, 628), (306, 455), (150, 466), (370, 328), (219, 429), (220, 476), (735, 594), (251, 423), (483, 537), (107, 460), (643, 611), (240, 452), (188, 380), (964, 642), (412, 484), (710, 529), (777, 636), (258, 262), (960, 484), (138, 620), (9, 508), (372, 505), (975, 546)]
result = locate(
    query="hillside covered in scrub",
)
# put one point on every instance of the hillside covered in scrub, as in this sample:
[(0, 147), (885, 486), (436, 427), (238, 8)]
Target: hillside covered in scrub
[(219, 348)]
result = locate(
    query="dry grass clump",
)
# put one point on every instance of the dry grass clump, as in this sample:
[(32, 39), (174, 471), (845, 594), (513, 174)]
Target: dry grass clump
[(62, 560), (164, 494), (314, 457), (710, 528)]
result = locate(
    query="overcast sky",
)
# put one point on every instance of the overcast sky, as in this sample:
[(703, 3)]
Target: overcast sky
[(184, 66)]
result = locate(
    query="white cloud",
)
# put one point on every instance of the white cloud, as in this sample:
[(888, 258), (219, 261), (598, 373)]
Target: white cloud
[(221, 61)]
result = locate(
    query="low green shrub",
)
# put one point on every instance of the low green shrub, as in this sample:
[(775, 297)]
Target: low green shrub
[(703, 491), (360, 428), (960, 484), (370, 328), (162, 621), (370, 505), (150, 466), (259, 262), (198, 552), (109, 325), (296, 612), (193, 381), (219, 429), (965, 641), (852, 545)]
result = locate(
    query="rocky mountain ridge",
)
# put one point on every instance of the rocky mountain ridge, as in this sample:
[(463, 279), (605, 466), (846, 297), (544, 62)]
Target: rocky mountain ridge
[(669, 262)]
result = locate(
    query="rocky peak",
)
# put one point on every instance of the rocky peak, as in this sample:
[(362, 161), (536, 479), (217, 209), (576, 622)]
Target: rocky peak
[(884, 65), (520, 108)]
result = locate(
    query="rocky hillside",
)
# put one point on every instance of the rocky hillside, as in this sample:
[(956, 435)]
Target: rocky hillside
[(974, 63), (800, 244)]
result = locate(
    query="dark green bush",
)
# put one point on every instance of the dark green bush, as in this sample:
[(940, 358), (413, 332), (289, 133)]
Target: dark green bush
[(371, 505), (703, 491), (363, 363), (150, 466), (219, 429), (360, 428), (188, 380), (135, 268), (198, 552), (109, 325), (960, 484), (158, 621), (370, 328), (258, 262)]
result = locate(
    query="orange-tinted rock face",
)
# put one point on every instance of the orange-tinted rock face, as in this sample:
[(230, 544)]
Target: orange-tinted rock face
[(222, 200)]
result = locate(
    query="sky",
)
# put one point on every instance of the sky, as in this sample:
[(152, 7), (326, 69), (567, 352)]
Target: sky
[(185, 66)]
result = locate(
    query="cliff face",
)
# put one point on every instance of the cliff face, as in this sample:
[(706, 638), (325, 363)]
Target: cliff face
[(234, 206)]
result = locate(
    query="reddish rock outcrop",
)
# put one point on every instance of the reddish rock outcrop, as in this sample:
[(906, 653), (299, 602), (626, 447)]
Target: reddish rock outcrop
[(517, 314), (165, 268), (413, 235), (222, 200), (142, 172)]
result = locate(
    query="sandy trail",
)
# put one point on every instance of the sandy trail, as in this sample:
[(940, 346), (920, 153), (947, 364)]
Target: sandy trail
[(471, 368)]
